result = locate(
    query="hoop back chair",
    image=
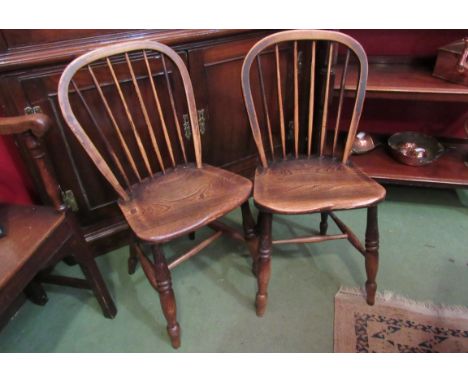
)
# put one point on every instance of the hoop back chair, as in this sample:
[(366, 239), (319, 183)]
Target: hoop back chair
[(143, 154), (38, 237), (310, 173)]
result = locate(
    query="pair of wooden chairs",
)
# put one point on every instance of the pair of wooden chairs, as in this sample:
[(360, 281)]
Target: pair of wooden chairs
[(163, 194)]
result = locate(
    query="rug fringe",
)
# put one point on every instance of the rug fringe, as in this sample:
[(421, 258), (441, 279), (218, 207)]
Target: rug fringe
[(424, 307)]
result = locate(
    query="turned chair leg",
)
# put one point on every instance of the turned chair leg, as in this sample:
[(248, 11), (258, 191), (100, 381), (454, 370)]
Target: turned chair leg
[(372, 253), (250, 234), (263, 262), (166, 295), (133, 257), (323, 223)]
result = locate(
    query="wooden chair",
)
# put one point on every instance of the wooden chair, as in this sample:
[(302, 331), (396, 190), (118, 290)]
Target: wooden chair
[(317, 176), (143, 154), (37, 237)]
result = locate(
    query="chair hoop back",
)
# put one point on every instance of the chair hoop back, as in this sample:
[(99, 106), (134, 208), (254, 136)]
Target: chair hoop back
[(295, 36), (145, 108)]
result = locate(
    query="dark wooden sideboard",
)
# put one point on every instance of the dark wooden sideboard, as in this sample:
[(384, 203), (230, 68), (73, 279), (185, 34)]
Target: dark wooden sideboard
[(32, 61)]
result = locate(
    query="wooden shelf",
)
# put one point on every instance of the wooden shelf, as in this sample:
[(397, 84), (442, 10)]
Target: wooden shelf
[(448, 171), (404, 81)]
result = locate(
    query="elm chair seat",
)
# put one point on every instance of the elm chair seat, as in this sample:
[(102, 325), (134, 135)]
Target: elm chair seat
[(314, 185), (182, 201)]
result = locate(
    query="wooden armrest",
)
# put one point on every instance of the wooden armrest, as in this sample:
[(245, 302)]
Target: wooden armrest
[(38, 124), (30, 128)]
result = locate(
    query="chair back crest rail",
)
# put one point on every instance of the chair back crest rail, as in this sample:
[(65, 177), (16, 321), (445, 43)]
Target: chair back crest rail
[(133, 85), (308, 105)]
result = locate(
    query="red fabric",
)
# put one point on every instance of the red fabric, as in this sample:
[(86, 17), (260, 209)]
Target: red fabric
[(15, 184)]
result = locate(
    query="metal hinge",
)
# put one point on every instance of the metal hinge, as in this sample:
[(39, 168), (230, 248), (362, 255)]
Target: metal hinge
[(202, 121), (187, 129), (69, 200), (32, 110), (202, 117)]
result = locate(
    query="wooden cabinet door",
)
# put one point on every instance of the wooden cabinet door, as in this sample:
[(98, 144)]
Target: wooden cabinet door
[(95, 198), (216, 74)]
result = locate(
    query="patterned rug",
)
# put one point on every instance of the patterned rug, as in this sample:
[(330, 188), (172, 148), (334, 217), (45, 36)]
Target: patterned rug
[(397, 325)]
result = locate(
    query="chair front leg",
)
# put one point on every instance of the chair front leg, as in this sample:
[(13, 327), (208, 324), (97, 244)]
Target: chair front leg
[(263, 262), (166, 295), (372, 253), (250, 234)]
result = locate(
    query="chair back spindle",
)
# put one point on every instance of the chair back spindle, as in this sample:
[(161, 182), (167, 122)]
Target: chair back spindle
[(343, 54), (143, 136)]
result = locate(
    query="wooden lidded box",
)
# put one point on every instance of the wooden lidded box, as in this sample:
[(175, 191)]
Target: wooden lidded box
[(452, 62)]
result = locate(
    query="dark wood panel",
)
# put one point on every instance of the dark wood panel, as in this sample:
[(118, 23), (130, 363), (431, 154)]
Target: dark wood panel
[(26, 37), (409, 82), (216, 72), (448, 171), (64, 51)]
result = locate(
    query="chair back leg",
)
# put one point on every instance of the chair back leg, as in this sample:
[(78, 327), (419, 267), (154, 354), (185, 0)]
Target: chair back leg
[(323, 223), (372, 253)]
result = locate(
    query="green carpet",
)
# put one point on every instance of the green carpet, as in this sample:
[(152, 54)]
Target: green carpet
[(424, 256)]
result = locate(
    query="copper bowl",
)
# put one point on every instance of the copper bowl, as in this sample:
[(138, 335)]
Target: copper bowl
[(415, 149), (363, 143)]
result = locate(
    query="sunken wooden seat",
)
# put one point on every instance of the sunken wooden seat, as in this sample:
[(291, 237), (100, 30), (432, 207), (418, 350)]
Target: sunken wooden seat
[(314, 185), (183, 200)]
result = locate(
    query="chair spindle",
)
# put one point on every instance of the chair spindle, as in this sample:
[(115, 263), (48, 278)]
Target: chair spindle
[(145, 114), (280, 101), (115, 125), (130, 118), (265, 106), (109, 148), (174, 112), (160, 112), (340, 102), (323, 131), (311, 101)]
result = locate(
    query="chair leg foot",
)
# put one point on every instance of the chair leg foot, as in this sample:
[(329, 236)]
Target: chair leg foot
[(371, 288), (263, 263), (36, 293), (372, 253), (166, 295)]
